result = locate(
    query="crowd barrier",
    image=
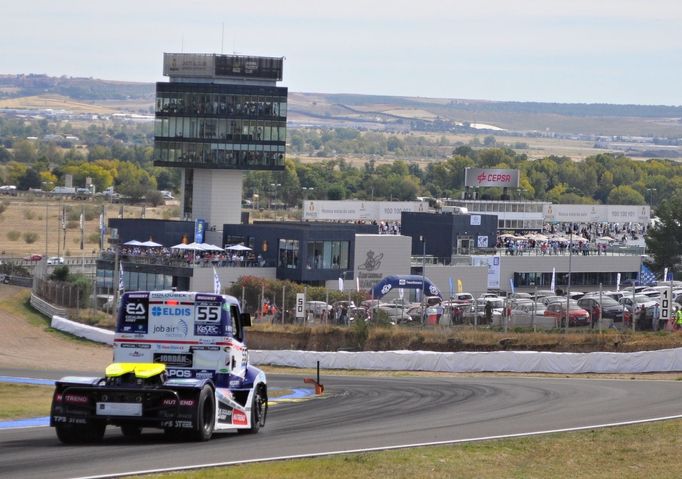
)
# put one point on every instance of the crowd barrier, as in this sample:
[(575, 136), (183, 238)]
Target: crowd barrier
[(665, 360)]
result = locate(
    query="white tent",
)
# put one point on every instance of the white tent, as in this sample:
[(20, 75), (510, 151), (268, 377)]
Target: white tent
[(132, 243), (238, 247), (211, 247), (151, 244), (188, 247)]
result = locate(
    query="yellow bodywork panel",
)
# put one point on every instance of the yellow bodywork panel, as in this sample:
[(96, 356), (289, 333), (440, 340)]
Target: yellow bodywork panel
[(141, 370)]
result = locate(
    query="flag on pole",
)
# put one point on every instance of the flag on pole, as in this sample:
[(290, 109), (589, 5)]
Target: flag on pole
[(665, 274), (552, 285), (618, 282), (452, 287), (217, 287), (460, 288), (646, 276), (81, 222), (357, 284), (511, 284), (340, 284), (120, 278)]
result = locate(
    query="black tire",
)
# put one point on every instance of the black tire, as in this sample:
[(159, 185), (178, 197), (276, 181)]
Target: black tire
[(259, 411), (79, 434), (205, 415), (131, 430)]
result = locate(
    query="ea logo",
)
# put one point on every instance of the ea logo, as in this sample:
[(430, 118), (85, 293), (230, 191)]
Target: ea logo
[(135, 308), (386, 289)]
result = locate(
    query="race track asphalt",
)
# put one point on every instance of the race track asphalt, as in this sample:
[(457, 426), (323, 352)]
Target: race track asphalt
[(357, 413)]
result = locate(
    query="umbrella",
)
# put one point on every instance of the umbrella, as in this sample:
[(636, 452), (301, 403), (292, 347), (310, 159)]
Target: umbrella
[(132, 243), (151, 244), (605, 238), (238, 247)]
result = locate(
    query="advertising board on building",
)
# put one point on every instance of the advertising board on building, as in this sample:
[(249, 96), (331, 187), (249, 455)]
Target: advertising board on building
[(359, 210), (377, 256), (188, 64), (493, 264), (562, 213), (498, 177)]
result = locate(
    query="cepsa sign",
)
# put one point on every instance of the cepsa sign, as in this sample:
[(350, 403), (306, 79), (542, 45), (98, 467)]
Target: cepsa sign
[(491, 177)]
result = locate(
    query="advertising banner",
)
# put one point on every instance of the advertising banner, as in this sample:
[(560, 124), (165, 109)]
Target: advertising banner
[(491, 177), (493, 264), (199, 228), (359, 210), (596, 213)]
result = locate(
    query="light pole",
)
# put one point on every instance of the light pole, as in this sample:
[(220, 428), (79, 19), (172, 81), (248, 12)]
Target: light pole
[(568, 287), (651, 196), (273, 196), (306, 190), (423, 241)]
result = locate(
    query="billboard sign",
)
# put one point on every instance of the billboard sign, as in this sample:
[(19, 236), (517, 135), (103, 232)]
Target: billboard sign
[(501, 178)]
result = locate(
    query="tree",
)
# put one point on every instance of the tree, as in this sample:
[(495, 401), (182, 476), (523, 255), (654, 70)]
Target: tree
[(664, 240), (30, 179), (625, 195)]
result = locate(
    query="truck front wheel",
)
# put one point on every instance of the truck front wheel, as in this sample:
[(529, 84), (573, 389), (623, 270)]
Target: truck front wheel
[(205, 415), (259, 410)]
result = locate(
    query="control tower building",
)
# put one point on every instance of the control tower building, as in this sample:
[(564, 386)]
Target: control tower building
[(218, 116)]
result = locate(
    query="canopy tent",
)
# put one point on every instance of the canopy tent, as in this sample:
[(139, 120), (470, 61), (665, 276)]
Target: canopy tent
[(211, 247), (188, 247), (405, 281), (605, 238), (238, 247), (151, 244), (133, 243)]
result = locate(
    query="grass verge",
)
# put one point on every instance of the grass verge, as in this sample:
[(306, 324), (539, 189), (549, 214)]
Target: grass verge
[(19, 401), (650, 450)]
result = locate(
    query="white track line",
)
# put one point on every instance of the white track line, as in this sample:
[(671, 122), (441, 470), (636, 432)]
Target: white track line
[(375, 449)]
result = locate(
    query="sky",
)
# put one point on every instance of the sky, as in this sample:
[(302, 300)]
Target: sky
[(566, 51)]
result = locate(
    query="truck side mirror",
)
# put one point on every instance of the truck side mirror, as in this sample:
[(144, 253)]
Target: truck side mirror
[(245, 319)]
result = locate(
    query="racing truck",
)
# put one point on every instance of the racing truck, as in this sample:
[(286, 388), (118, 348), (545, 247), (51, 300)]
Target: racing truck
[(180, 365)]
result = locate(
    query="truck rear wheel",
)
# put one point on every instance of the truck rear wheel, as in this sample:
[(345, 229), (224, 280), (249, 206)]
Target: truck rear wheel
[(205, 415), (80, 434), (131, 430)]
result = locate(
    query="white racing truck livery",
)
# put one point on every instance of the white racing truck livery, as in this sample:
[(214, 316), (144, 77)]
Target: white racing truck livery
[(180, 364)]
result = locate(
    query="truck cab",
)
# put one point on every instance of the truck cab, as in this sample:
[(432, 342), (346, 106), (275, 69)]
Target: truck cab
[(180, 363)]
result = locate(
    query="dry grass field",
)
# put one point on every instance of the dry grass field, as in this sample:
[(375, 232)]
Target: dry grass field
[(26, 216), (56, 102)]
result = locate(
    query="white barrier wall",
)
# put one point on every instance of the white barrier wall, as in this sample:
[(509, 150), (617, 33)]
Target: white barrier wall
[(499, 361), (665, 360), (92, 333)]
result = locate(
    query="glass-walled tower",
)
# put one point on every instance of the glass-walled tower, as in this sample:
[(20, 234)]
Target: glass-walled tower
[(218, 116)]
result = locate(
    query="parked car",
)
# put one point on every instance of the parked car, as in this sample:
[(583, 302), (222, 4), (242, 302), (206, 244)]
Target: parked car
[(530, 314), (33, 257), (55, 260), (546, 300), (610, 308), (396, 312), (641, 302), (577, 316)]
